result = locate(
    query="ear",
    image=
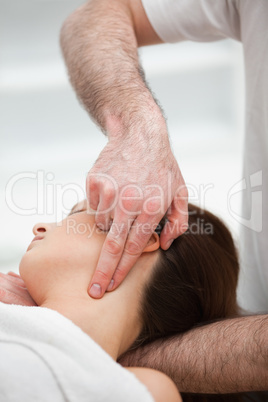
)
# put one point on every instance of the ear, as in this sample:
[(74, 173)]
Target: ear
[(153, 243)]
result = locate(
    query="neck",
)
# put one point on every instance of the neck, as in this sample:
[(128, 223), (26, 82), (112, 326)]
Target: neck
[(107, 321)]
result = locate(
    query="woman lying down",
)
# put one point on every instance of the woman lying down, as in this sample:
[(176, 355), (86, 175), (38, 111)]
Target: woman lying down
[(66, 348)]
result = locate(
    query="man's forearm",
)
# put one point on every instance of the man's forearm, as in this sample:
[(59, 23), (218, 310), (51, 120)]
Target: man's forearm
[(136, 178), (224, 357), (100, 49)]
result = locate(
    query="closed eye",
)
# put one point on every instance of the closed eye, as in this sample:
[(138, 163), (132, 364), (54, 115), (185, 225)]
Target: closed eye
[(76, 212)]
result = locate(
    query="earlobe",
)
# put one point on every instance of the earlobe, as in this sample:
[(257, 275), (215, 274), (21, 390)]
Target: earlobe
[(153, 243)]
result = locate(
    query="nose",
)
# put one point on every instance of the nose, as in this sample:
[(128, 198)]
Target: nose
[(40, 228)]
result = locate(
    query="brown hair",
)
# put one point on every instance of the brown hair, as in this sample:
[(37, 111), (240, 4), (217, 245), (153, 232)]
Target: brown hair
[(194, 281)]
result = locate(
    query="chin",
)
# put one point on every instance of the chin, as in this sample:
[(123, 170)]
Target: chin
[(23, 267)]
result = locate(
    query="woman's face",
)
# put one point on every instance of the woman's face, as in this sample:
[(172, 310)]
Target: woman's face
[(64, 255), (60, 248)]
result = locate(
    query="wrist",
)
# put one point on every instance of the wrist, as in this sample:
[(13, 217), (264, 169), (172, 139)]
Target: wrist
[(147, 124)]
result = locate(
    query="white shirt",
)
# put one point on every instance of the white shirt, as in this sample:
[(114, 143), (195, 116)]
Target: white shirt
[(245, 21)]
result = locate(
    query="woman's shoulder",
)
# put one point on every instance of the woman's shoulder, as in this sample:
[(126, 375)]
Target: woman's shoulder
[(161, 387)]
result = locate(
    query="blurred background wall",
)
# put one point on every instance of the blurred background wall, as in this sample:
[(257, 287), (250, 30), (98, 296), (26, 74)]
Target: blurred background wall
[(48, 142)]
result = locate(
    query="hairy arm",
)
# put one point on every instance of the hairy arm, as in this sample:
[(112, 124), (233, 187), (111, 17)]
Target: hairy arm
[(99, 44), (224, 357), (136, 178)]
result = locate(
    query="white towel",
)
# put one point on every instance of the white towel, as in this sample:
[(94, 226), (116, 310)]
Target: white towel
[(45, 357)]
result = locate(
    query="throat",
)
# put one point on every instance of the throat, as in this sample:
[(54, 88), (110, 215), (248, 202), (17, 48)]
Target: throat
[(98, 318)]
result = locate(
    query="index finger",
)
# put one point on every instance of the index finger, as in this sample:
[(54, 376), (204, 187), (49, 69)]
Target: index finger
[(111, 252), (138, 237)]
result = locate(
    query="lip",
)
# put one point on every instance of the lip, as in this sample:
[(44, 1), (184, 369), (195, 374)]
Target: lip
[(37, 238), (34, 239)]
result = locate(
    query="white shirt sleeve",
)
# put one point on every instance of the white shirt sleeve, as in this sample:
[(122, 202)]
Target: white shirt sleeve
[(196, 20)]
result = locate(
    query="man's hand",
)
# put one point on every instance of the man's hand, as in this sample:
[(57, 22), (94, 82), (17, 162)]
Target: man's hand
[(13, 290), (99, 43), (132, 186)]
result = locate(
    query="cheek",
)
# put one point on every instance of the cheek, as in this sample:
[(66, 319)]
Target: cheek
[(78, 252), (58, 259)]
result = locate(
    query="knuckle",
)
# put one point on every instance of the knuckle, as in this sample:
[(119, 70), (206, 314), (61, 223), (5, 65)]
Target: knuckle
[(119, 276), (152, 206), (102, 276), (113, 247), (91, 182), (133, 248), (130, 205), (108, 192), (119, 229), (130, 192), (130, 198)]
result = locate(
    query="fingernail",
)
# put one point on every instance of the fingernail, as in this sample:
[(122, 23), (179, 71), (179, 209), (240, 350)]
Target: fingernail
[(169, 243), (111, 285), (95, 290)]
